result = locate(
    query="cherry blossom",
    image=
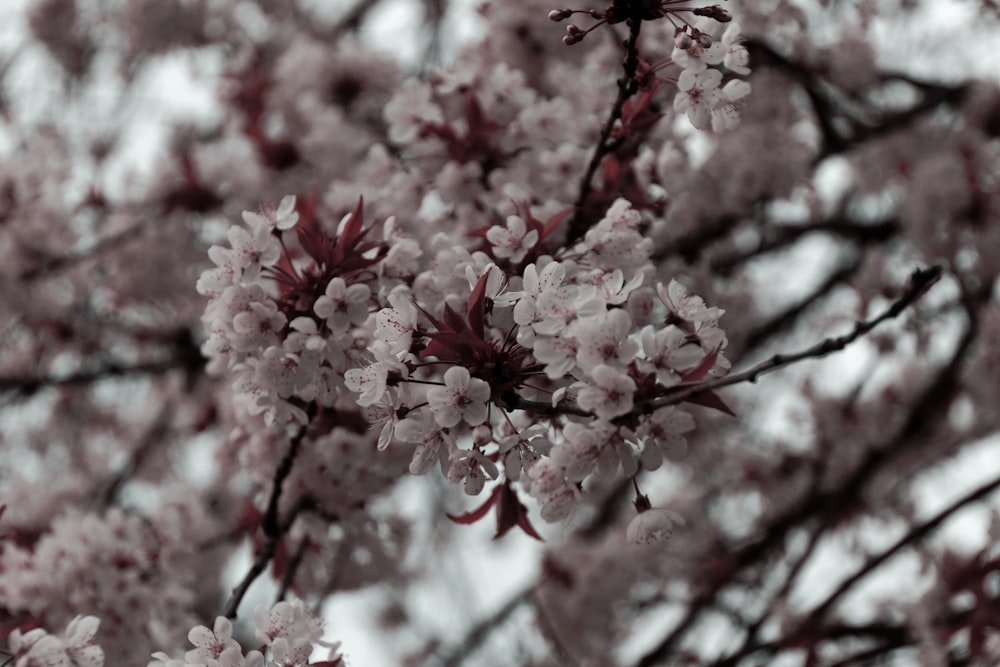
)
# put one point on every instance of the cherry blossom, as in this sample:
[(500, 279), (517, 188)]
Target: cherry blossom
[(343, 306), (652, 526), (75, 648), (512, 241), (610, 395), (696, 58), (699, 95), (461, 398), (736, 57), (351, 286), (210, 644)]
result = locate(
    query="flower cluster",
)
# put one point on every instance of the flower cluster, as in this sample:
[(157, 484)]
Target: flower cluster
[(484, 372), (119, 564), (288, 632), (285, 299), (74, 648), (702, 95), (697, 46), (572, 334)]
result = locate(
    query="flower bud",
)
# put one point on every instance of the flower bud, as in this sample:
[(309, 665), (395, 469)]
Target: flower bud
[(558, 15), (653, 525), (715, 12), (482, 435), (573, 35), (683, 41)]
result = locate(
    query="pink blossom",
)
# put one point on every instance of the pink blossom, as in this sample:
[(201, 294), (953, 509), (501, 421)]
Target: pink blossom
[(611, 393), (343, 306), (736, 58), (211, 643), (512, 241), (433, 444), (652, 526), (470, 468), (461, 397), (696, 57), (699, 95)]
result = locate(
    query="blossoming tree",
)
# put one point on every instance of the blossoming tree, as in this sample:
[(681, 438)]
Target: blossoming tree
[(582, 270)]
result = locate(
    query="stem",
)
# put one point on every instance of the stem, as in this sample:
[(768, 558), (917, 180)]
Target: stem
[(293, 567), (627, 86), (920, 282), (482, 630), (270, 524)]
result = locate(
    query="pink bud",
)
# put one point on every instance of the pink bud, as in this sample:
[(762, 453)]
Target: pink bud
[(482, 435), (573, 35), (715, 12)]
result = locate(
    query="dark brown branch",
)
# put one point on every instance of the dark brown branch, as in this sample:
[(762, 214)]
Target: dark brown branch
[(781, 236), (784, 320), (150, 440), (750, 644), (935, 398), (55, 265), (481, 630), (920, 282), (29, 385), (917, 534), (812, 625), (294, 564), (184, 355), (627, 87), (822, 95), (272, 526), (355, 17)]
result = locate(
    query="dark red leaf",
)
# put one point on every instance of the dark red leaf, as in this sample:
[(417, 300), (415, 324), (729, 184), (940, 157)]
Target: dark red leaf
[(711, 400), (282, 557), (477, 307), (555, 220), (352, 230), (511, 512), (707, 364), (478, 513), (453, 320)]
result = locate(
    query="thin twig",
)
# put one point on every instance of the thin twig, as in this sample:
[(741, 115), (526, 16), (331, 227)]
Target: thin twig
[(931, 402), (150, 440), (920, 282), (481, 630), (294, 564), (811, 625), (917, 534), (270, 525), (28, 384), (627, 87), (55, 265)]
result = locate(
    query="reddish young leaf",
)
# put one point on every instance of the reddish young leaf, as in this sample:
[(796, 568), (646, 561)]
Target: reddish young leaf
[(478, 513), (512, 512), (711, 400), (282, 557), (707, 364), (477, 306)]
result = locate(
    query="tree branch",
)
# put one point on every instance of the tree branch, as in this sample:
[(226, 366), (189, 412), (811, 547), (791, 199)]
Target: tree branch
[(271, 526), (627, 86), (481, 630), (934, 399), (917, 534), (920, 282)]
